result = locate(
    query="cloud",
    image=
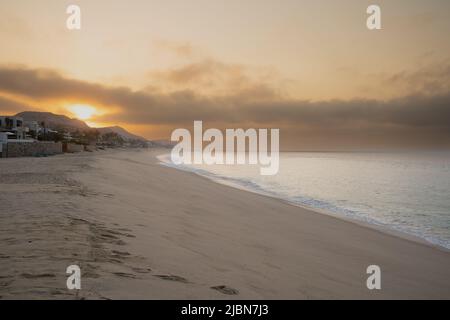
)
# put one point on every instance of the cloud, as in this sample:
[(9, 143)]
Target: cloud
[(181, 50), (430, 78), (198, 71), (9, 106), (256, 106), (213, 77)]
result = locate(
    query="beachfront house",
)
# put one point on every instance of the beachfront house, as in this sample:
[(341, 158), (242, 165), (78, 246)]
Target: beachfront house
[(13, 127), (33, 129), (18, 138)]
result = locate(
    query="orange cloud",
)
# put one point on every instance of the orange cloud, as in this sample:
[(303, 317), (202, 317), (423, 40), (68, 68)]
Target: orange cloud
[(406, 119)]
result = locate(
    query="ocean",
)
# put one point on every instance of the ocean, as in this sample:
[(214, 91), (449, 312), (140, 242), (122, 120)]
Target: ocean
[(406, 192)]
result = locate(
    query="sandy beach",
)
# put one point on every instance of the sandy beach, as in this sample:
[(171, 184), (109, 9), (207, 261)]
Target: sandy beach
[(140, 230)]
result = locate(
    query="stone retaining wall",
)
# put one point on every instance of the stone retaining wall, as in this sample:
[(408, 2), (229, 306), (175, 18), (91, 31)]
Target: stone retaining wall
[(31, 149), (72, 147)]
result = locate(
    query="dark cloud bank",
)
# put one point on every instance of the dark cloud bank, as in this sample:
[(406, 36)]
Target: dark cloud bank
[(415, 120)]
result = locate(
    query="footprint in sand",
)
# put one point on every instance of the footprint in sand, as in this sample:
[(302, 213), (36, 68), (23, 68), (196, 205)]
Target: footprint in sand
[(170, 277), (125, 275), (105, 236), (119, 243), (226, 290), (120, 254), (141, 270), (4, 284), (90, 275), (36, 276)]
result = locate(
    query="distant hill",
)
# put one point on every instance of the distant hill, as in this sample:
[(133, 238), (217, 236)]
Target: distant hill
[(57, 121), (121, 132), (163, 143), (54, 121)]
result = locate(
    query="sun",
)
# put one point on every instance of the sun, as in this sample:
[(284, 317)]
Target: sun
[(82, 111)]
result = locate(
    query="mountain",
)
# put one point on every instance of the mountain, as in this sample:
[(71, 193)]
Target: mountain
[(58, 122), (121, 132), (54, 121)]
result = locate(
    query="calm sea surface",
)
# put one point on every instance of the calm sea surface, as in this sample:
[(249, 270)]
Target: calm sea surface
[(408, 192)]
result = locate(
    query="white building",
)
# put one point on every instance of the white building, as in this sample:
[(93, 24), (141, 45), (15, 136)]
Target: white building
[(13, 127), (33, 127)]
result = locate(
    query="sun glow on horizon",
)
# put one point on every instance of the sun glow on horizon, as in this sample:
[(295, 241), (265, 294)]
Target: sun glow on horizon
[(82, 111)]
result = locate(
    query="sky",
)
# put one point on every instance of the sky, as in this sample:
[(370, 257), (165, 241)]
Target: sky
[(310, 68)]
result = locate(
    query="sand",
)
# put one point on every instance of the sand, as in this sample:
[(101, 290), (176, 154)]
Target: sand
[(140, 230)]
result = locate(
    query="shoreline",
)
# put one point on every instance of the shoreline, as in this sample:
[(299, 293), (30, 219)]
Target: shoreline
[(140, 230), (383, 228)]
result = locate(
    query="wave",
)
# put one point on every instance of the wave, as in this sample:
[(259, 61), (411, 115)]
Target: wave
[(316, 205)]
